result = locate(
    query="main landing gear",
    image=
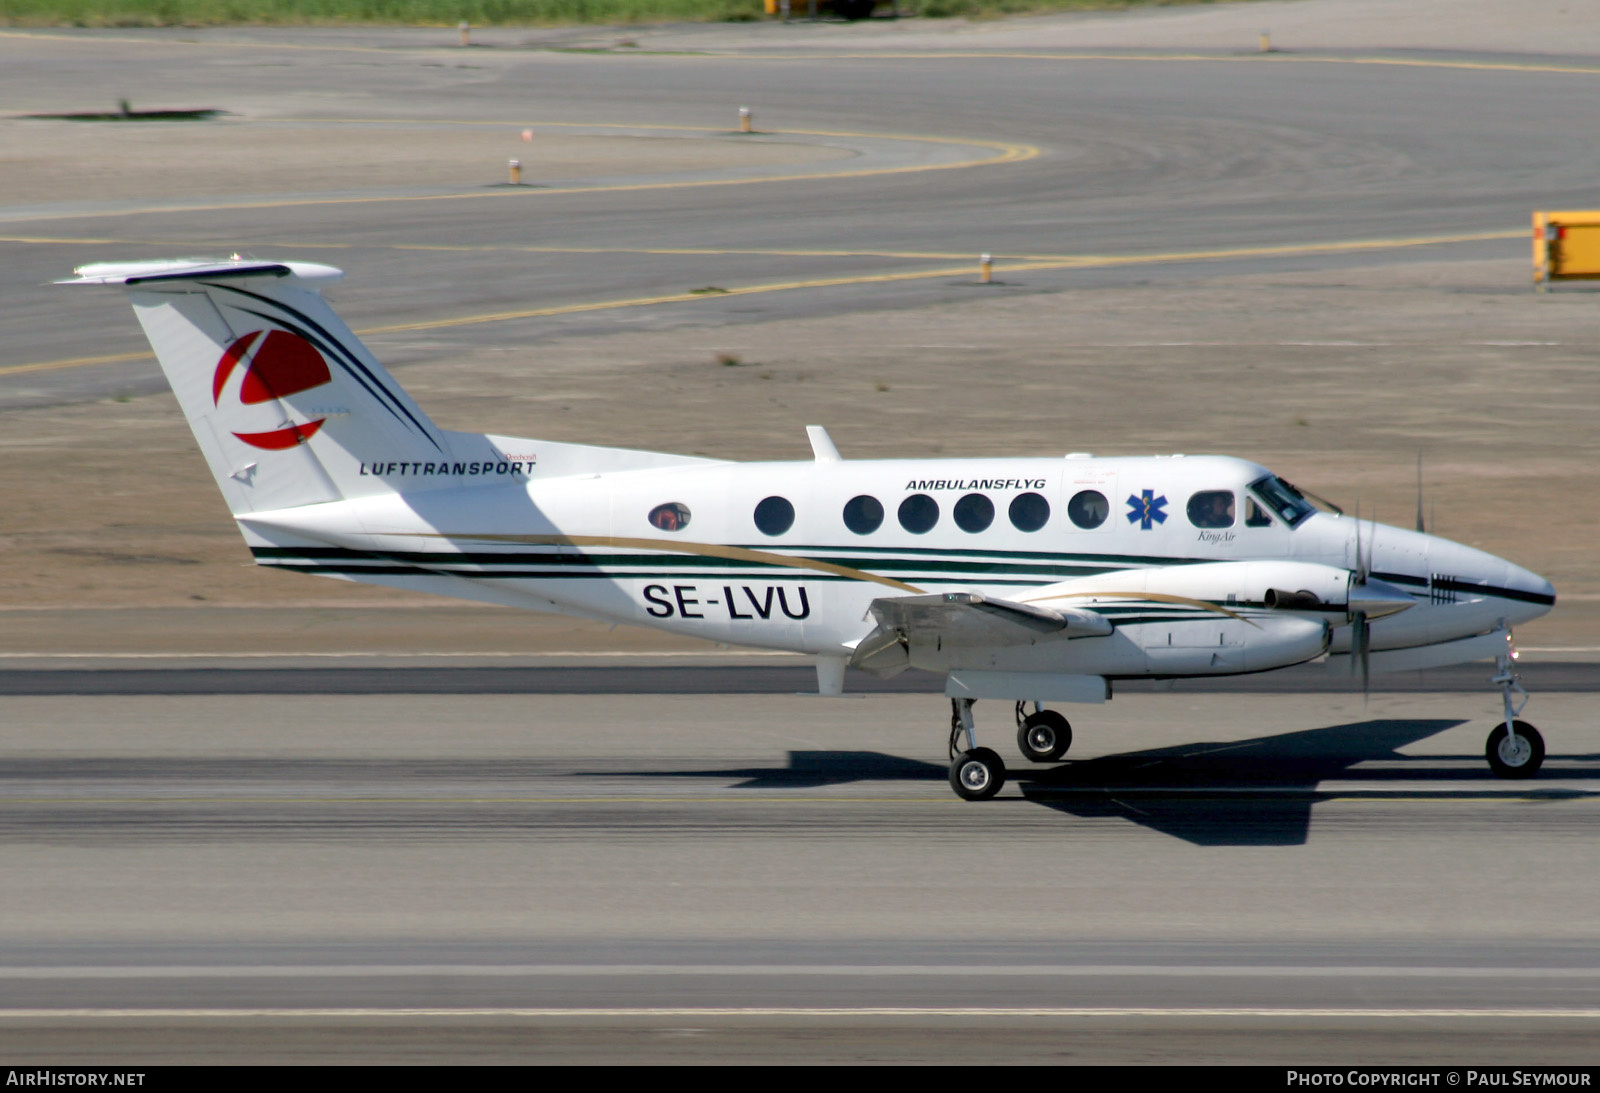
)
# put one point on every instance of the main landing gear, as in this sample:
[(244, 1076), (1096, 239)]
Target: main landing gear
[(1042, 736), (976, 774), (1515, 749)]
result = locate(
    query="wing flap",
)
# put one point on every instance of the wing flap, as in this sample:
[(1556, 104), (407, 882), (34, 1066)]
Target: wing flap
[(962, 619)]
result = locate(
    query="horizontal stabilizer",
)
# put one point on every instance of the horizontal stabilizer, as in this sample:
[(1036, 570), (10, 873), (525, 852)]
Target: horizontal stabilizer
[(193, 269)]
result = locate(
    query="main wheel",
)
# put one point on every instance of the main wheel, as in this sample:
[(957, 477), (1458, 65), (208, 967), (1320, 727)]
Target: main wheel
[(977, 775), (1044, 737), (1515, 759)]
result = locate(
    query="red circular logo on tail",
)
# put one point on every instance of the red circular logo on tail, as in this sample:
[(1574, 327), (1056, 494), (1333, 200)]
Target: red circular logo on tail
[(275, 367)]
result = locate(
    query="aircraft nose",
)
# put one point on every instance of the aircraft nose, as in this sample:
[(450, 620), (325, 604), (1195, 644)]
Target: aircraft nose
[(1520, 594), (1524, 594), (1531, 585)]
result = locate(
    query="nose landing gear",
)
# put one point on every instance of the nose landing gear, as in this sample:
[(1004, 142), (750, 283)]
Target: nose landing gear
[(1515, 756), (1514, 749)]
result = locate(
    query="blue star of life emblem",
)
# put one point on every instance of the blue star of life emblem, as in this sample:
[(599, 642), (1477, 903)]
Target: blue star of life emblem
[(1145, 507)]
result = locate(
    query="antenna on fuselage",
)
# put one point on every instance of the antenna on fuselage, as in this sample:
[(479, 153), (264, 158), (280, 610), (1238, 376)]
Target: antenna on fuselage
[(822, 446), (1421, 524)]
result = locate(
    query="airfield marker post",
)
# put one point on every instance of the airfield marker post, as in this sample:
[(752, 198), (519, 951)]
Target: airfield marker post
[(744, 119), (516, 172), (985, 268), (466, 32), (1266, 42)]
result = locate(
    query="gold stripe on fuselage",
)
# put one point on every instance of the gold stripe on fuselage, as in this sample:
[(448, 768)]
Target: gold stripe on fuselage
[(677, 546)]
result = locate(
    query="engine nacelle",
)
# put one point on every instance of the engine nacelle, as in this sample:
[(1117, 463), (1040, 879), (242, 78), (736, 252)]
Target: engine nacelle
[(1212, 618), (1227, 584)]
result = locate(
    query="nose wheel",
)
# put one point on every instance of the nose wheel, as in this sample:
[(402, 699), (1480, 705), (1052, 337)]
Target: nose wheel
[(1514, 749), (976, 774), (1515, 755)]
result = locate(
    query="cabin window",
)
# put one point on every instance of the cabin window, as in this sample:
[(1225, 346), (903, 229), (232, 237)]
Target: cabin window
[(673, 516), (1029, 512), (973, 513), (918, 513), (863, 515), (1254, 515), (1211, 509), (1088, 509), (774, 516)]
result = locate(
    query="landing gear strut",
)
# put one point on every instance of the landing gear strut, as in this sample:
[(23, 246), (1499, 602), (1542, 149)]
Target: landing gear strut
[(1515, 749), (1042, 736), (976, 774)]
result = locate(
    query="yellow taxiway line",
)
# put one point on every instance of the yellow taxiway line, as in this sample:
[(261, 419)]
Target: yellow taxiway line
[(1068, 262), (1087, 261), (73, 362), (1032, 260), (1000, 152), (1158, 58)]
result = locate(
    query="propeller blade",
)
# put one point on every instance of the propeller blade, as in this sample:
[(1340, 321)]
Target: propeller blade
[(1360, 570), (1372, 543), (1363, 566), (1361, 650)]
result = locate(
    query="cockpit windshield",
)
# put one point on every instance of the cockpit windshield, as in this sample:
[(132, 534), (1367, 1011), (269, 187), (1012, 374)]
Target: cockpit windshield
[(1288, 503)]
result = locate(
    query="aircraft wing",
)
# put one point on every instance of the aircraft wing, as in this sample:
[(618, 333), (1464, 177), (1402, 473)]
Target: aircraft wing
[(962, 619)]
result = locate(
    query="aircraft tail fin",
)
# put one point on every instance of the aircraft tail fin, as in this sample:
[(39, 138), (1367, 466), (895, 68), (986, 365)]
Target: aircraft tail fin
[(285, 402)]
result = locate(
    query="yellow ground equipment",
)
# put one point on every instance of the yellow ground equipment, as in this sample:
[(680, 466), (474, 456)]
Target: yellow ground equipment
[(1566, 246), (810, 9)]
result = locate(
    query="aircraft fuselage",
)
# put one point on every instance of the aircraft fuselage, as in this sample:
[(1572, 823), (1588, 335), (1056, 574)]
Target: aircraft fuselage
[(791, 555)]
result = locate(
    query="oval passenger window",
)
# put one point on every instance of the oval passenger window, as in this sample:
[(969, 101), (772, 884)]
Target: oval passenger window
[(863, 515), (673, 516), (918, 513), (973, 513), (774, 516), (1029, 512), (1088, 509)]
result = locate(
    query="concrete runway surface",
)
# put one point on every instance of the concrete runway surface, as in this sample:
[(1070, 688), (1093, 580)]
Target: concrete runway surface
[(1307, 878), (207, 867)]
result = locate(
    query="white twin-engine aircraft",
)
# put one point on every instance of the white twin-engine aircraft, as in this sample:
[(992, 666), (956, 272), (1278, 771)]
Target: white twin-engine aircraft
[(1030, 580)]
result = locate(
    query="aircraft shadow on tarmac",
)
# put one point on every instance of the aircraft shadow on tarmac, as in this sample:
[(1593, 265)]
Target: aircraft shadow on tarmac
[(1250, 792), (1246, 792)]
